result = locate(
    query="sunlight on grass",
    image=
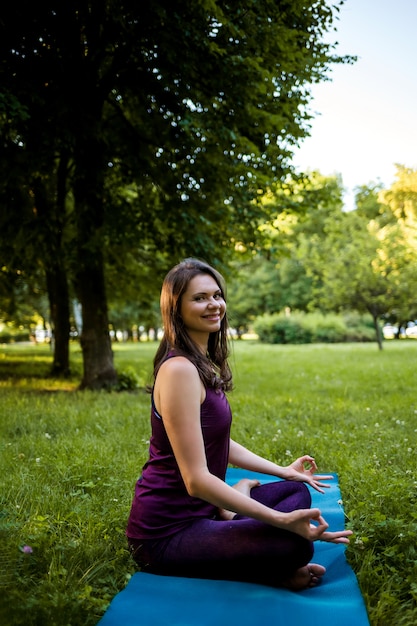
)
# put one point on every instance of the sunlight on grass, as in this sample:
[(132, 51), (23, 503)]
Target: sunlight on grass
[(70, 459)]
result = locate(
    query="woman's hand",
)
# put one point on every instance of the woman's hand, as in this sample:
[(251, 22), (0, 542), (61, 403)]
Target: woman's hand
[(303, 469), (310, 524)]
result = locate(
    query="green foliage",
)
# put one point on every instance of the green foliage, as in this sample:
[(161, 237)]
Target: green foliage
[(366, 265), (329, 328), (11, 336), (69, 461), (128, 380), (299, 327), (179, 128), (358, 327), (187, 113), (280, 328)]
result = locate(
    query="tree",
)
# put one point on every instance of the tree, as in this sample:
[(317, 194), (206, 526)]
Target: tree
[(274, 277), (365, 267), (401, 197), (255, 291), (194, 105), (400, 201)]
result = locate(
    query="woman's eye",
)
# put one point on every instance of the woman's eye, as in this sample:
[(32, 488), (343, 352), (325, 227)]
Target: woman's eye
[(216, 296)]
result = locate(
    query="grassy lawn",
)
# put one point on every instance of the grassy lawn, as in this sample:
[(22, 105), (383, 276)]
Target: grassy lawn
[(69, 461)]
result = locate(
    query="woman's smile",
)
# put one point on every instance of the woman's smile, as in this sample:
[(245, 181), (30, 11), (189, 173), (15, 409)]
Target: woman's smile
[(202, 305)]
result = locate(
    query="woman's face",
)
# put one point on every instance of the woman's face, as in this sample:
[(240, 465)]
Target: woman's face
[(202, 307)]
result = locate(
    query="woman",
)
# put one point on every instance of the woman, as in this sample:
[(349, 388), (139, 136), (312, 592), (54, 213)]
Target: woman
[(185, 519)]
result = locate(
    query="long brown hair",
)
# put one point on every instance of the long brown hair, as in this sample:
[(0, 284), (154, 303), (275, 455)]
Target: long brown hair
[(177, 339)]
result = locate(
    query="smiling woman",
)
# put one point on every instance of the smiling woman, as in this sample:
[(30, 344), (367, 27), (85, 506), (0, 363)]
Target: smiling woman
[(202, 308), (185, 519)]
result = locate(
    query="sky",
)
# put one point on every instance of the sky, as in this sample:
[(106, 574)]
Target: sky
[(365, 118)]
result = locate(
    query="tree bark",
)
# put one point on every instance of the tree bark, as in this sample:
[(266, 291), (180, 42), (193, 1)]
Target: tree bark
[(50, 207), (378, 331), (99, 371), (57, 286)]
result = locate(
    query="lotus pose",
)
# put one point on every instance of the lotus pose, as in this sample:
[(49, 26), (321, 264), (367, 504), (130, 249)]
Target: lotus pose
[(185, 520)]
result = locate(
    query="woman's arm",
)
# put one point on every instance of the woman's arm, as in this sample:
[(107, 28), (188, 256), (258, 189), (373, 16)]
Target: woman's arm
[(302, 469), (178, 395), (244, 458)]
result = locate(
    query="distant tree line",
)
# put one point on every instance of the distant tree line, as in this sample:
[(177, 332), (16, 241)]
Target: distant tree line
[(318, 258)]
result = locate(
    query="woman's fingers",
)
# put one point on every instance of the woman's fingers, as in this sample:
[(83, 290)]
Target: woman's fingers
[(323, 477), (341, 536), (321, 533)]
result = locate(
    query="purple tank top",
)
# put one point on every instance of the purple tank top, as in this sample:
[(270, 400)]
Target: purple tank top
[(161, 505)]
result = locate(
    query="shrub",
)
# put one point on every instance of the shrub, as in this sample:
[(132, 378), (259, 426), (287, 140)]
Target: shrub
[(329, 328), (359, 327), (314, 327), (13, 336), (5, 336), (280, 328), (128, 380)]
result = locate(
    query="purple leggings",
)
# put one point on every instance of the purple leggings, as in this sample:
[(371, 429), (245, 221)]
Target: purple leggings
[(241, 549)]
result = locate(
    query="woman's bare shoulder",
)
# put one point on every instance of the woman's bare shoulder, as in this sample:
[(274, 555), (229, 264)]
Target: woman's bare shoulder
[(177, 375), (176, 366)]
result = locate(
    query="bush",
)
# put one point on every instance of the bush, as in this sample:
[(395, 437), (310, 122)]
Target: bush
[(14, 336), (329, 328), (280, 328), (6, 336), (314, 328), (128, 380), (359, 327)]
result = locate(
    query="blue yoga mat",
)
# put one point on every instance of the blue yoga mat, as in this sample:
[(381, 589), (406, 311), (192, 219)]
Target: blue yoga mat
[(152, 600)]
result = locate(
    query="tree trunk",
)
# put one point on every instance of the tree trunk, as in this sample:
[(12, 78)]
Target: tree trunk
[(57, 285), (99, 371), (50, 206), (378, 331), (90, 160)]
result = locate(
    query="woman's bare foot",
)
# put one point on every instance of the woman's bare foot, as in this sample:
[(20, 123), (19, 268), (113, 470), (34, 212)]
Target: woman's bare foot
[(305, 577), (245, 485)]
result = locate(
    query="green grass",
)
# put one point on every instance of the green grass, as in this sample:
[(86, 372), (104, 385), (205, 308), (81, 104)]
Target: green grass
[(69, 461)]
